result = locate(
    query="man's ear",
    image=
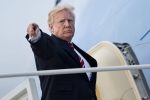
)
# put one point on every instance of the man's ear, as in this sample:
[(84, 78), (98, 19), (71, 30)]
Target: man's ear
[(50, 28)]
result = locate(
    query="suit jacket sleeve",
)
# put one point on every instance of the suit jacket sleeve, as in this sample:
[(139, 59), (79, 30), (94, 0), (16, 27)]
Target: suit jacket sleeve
[(43, 47)]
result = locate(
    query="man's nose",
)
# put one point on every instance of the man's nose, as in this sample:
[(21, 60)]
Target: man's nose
[(67, 23)]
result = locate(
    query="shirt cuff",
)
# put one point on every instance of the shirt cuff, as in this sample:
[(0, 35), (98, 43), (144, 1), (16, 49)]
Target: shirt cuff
[(35, 38)]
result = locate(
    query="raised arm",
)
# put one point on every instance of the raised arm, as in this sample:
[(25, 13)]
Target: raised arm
[(40, 41)]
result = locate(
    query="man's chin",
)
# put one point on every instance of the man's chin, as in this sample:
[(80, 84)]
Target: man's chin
[(69, 35)]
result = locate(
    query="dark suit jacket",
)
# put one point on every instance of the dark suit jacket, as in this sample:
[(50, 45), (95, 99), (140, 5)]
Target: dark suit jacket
[(53, 53)]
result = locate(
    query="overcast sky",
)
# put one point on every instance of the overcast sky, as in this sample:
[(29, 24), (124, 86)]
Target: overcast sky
[(15, 51)]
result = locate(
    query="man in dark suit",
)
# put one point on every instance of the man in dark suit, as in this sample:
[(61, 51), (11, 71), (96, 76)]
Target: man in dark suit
[(59, 52)]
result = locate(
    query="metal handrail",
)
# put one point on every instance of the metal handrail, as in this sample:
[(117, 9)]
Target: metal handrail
[(75, 70)]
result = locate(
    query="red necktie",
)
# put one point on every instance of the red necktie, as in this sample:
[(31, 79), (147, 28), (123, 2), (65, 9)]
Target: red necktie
[(80, 59)]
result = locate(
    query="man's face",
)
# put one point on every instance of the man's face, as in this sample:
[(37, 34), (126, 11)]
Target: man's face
[(63, 25)]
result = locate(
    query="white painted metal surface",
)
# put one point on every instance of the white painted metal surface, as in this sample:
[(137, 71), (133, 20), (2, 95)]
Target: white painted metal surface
[(27, 90), (116, 85)]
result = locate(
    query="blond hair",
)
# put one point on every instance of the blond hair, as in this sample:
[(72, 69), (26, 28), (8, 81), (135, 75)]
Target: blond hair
[(57, 9)]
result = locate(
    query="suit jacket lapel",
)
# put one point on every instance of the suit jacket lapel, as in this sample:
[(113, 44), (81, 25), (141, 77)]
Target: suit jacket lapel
[(89, 59), (73, 54), (64, 46)]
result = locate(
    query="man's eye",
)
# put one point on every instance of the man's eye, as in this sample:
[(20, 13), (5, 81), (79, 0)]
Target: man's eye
[(70, 20), (61, 21)]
